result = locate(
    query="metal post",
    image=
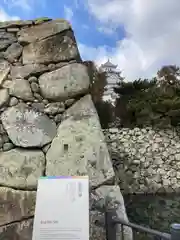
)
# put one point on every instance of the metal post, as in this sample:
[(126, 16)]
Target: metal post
[(110, 225), (175, 231)]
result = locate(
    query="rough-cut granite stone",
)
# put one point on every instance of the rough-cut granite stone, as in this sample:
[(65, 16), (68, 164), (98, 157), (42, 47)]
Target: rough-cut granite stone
[(96, 232), (58, 118), (8, 146), (54, 108), (20, 168), (33, 79), (38, 106), (147, 159), (6, 39), (35, 87), (39, 98), (113, 199), (20, 88), (65, 82), (15, 23), (13, 30), (28, 70), (5, 138), (17, 231), (4, 96), (4, 70), (7, 84), (16, 205), (39, 32), (27, 127), (79, 147), (13, 101), (69, 102), (13, 52), (53, 49)]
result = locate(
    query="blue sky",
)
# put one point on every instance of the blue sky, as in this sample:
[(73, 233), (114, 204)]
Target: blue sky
[(138, 35), (86, 27)]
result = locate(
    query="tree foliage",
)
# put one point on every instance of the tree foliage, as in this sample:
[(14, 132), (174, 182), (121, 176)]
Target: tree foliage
[(154, 102), (105, 111), (168, 74), (98, 82)]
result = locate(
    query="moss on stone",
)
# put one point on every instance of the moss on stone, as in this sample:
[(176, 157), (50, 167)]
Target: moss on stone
[(41, 20)]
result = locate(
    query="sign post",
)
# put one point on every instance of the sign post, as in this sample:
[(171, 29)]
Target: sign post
[(62, 208)]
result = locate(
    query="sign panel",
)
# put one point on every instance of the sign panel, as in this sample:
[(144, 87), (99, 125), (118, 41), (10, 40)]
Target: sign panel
[(62, 208)]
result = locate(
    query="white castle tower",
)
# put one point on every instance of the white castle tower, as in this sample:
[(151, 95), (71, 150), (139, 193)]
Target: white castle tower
[(113, 77)]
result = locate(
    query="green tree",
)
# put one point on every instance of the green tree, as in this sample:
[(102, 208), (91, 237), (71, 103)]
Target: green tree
[(150, 102), (133, 97), (98, 82), (105, 112), (168, 75)]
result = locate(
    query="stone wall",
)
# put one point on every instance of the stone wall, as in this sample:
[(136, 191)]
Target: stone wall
[(49, 125), (146, 160)]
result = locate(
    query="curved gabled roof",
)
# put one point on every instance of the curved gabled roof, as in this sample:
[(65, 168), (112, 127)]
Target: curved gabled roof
[(108, 64)]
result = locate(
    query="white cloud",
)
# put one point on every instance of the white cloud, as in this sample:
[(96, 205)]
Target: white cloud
[(106, 30), (152, 34), (90, 53), (68, 13), (5, 17)]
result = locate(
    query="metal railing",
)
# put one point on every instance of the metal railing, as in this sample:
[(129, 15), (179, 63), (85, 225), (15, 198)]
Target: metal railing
[(112, 221)]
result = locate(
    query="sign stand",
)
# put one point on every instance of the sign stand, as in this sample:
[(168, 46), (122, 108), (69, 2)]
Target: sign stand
[(62, 208)]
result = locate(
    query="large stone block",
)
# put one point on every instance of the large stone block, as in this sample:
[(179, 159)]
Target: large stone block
[(64, 83), (112, 198), (15, 23), (61, 47), (6, 39), (27, 70), (79, 147), (16, 205), (41, 31), (17, 231), (13, 52), (20, 88), (4, 70), (4, 96), (27, 127), (21, 168)]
